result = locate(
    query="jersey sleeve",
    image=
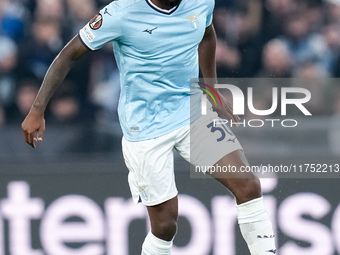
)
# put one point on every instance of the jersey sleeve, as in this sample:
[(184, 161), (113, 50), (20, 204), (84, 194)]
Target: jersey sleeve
[(210, 13), (102, 28)]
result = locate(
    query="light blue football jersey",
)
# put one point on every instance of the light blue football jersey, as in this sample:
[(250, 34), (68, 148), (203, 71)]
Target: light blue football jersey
[(156, 53)]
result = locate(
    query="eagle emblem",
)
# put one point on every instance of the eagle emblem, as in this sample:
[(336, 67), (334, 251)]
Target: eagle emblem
[(194, 21)]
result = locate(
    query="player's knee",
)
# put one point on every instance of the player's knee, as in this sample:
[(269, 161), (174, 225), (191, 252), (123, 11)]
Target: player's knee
[(249, 190), (166, 229)]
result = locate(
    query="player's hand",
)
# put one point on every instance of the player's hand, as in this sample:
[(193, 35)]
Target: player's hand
[(225, 110), (33, 127)]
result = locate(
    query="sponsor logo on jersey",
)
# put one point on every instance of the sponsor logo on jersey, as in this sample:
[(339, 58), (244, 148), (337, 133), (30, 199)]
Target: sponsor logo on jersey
[(194, 21), (90, 36), (232, 140), (149, 31), (96, 22), (106, 12), (134, 129)]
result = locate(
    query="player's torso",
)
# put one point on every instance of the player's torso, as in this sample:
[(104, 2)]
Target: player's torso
[(157, 56), (150, 33)]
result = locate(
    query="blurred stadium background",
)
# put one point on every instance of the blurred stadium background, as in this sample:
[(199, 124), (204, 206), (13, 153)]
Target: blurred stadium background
[(70, 196)]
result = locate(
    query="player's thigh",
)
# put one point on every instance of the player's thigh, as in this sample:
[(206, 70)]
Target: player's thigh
[(207, 141), (151, 171)]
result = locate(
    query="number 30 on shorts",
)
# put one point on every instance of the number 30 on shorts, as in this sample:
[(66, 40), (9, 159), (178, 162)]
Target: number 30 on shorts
[(222, 129)]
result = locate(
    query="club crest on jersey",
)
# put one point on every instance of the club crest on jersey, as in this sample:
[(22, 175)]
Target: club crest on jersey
[(96, 22), (193, 20)]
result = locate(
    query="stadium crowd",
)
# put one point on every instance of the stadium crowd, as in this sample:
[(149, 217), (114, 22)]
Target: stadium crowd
[(256, 38)]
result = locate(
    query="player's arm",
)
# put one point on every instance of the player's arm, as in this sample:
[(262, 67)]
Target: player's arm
[(34, 124), (207, 52), (207, 62)]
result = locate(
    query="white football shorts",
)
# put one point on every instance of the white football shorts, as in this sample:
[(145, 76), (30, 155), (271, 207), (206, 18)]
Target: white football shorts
[(151, 162)]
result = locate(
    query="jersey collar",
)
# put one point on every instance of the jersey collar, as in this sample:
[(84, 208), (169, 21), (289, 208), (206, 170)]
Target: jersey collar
[(155, 7)]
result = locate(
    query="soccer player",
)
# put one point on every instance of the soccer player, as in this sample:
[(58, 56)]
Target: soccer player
[(159, 45)]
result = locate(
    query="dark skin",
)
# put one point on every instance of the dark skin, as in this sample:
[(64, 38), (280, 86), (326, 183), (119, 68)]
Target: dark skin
[(166, 4), (34, 124), (163, 217), (206, 51), (244, 186)]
